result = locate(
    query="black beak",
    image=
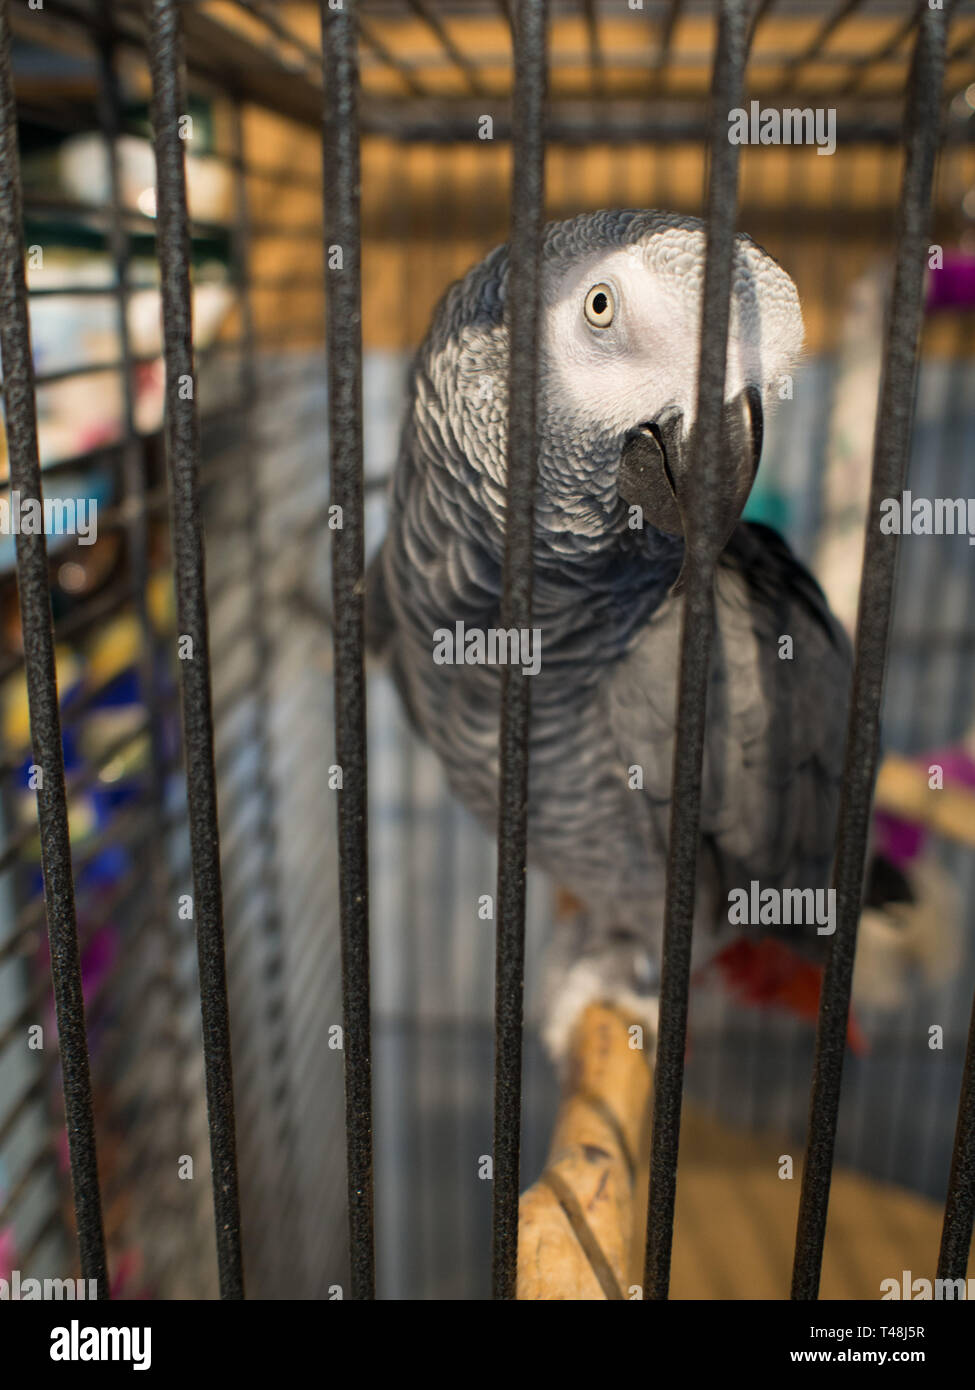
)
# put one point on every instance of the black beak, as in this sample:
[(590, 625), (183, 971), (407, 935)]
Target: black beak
[(655, 474)]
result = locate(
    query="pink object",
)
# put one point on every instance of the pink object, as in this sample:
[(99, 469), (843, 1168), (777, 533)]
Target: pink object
[(953, 286), (900, 841), (8, 1251)]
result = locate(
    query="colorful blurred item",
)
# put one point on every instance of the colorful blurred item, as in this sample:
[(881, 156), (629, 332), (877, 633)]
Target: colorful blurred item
[(910, 928), (953, 285), (85, 174), (8, 1250), (768, 974)]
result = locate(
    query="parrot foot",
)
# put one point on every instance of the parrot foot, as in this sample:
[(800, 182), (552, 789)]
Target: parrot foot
[(619, 973)]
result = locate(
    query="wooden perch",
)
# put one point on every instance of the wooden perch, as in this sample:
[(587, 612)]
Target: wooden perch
[(581, 1232), (581, 1224)]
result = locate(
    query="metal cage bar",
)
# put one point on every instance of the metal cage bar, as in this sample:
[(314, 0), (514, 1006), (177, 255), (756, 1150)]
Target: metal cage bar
[(343, 311), (45, 719), (811, 50), (666, 35), (524, 293), (890, 460), (278, 1049), (597, 60), (139, 500), (183, 451), (460, 61), (959, 1218), (701, 551)]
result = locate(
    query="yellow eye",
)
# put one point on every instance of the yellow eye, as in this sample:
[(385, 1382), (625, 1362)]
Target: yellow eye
[(600, 306)]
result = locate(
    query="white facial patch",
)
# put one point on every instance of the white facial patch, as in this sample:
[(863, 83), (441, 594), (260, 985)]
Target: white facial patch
[(647, 358)]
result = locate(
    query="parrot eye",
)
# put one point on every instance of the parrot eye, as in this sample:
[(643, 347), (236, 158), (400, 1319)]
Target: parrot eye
[(600, 306)]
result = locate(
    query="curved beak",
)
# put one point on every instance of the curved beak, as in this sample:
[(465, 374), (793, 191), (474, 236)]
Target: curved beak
[(655, 467)]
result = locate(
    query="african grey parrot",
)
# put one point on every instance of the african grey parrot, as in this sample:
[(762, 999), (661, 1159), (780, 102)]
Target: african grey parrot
[(619, 342)]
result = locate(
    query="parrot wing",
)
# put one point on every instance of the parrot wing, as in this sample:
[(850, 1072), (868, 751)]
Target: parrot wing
[(777, 706)]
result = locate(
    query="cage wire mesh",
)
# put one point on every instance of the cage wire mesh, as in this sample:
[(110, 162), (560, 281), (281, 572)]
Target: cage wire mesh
[(627, 127)]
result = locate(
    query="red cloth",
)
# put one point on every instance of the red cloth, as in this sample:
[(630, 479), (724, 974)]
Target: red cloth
[(769, 973)]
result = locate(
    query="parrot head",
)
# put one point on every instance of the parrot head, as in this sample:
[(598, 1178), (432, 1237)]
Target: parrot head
[(619, 341)]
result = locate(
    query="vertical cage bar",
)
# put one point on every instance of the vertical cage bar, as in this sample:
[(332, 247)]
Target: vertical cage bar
[(890, 458), (133, 457), (523, 298), (183, 454), (42, 693), (959, 1218), (343, 313), (274, 981), (701, 545), (159, 880)]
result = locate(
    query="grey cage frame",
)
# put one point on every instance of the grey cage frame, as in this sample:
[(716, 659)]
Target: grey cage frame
[(340, 31)]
